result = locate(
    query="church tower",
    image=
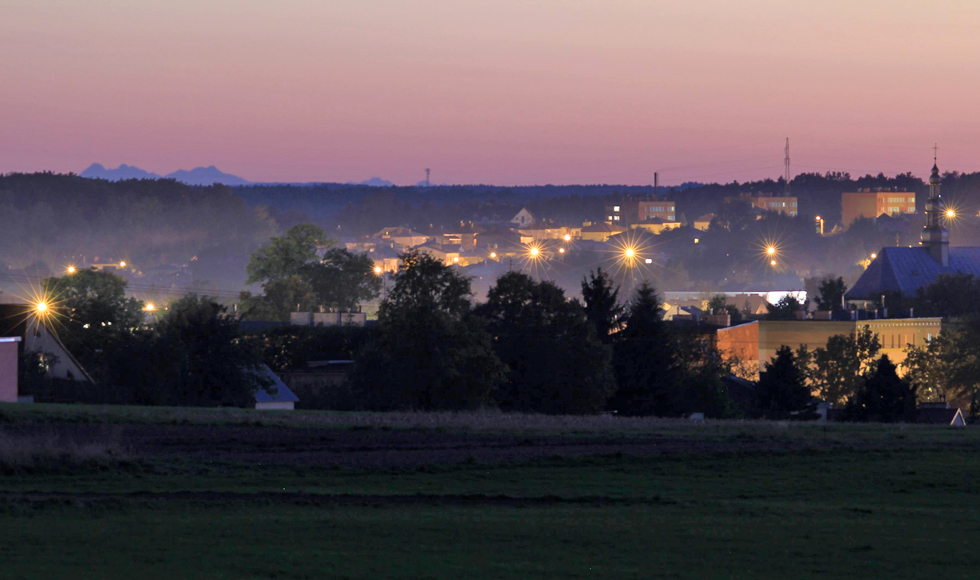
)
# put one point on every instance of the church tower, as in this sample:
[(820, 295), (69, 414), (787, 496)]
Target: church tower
[(934, 236)]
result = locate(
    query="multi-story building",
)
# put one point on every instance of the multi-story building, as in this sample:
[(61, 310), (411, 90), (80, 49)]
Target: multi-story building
[(780, 204), (635, 210), (871, 203)]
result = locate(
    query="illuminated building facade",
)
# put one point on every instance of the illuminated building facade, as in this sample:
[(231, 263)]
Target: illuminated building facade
[(871, 203)]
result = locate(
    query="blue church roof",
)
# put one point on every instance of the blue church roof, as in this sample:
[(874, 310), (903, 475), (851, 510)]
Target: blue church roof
[(906, 270)]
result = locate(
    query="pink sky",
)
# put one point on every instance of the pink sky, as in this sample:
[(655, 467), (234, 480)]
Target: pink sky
[(495, 91)]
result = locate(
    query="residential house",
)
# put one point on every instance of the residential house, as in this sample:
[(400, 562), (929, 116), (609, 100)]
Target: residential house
[(402, 237), (463, 236), (448, 255), (601, 232), (523, 218), (703, 222), (655, 225)]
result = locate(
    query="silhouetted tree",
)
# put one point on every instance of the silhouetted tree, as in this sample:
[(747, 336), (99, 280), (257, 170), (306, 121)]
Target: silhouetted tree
[(647, 373), (785, 309), (781, 392), (343, 280), (602, 305), (432, 353), (884, 397), (91, 311), (286, 255), (719, 305), (837, 370), (209, 364), (556, 362), (950, 295), (832, 292)]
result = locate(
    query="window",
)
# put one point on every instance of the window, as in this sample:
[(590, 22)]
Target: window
[(616, 218), (609, 218), (615, 208)]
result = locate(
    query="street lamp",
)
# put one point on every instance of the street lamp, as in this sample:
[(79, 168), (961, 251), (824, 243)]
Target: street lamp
[(149, 307), (377, 270), (122, 264), (567, 238), (70, 270)]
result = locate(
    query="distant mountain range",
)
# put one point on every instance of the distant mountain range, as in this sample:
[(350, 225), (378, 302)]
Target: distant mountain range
[(197, 176)]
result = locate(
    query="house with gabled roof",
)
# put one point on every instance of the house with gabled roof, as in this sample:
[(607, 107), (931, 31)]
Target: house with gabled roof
[(523, 218)]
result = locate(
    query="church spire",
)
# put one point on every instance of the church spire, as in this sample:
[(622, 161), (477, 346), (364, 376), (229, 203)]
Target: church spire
[(934, 236)]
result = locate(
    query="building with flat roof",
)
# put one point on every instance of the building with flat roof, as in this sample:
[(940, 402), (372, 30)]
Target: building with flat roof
[(871, 203), (633, 210), (783, 204)]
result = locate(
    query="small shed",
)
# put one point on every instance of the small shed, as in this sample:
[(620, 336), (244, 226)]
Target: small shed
[(940, 414), (275, 397)]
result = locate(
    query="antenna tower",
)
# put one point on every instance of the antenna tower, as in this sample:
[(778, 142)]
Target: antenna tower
[(427, 182), (786, 163)]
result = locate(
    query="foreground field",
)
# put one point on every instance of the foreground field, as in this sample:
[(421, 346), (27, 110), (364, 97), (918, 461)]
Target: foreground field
[(610, 500)]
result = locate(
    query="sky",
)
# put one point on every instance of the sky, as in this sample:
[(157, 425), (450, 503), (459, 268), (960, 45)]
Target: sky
[(508, 92)]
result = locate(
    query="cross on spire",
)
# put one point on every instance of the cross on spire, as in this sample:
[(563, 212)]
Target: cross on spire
[(935, 154)]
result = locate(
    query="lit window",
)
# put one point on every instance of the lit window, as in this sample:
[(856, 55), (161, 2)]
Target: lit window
[(609, 218), (616, 218), (615, 208)]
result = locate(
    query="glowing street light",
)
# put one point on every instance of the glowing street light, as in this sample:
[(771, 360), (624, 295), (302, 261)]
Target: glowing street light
[(535, 251), (950, 213), (377, 270), (493, 254), (874, 256), (772, 263), (41, 307), (771, 250), (629, 252), (567, 238), (122, 264), (149, 307), (70, 270), (561, 250)]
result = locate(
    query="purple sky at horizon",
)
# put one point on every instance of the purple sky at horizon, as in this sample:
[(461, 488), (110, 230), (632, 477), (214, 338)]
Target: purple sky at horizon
[(509, 92)]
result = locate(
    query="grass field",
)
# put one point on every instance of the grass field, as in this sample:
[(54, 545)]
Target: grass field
[(726, 500)]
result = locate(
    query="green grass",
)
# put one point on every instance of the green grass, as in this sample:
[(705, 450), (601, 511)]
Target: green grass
[(906, 514), (869, 501), (718, 541)]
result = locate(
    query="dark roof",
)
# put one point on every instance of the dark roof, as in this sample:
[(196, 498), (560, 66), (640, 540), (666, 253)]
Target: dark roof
[(906, 270), (936, 416), (281, 393)]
